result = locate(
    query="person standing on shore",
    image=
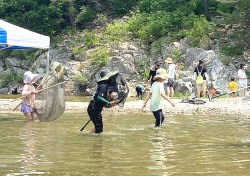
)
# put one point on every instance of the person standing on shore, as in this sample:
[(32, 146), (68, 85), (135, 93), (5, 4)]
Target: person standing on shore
[(29, 91), (153, 70), (232, 87), (169, 84), (201, 77), (242, 80), (158, 94)]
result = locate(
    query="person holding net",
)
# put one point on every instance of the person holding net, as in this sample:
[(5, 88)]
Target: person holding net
[(28, 93), (104, 96)]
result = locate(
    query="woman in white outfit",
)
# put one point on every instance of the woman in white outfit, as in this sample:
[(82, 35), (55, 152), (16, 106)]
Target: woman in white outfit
[(242, 80)]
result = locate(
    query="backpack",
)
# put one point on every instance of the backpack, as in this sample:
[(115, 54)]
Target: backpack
[(199, 79)]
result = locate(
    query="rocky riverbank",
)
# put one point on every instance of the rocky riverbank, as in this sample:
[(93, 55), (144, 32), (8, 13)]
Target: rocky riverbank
[(220, 106)]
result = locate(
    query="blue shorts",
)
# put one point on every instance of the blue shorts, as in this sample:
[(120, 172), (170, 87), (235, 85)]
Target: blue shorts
[(170, 82), (26, 108)]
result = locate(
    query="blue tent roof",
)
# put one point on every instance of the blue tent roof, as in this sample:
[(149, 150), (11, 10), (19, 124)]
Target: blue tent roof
[(15, 37)]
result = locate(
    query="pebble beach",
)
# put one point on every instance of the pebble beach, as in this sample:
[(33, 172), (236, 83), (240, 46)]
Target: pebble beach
[(220, 106)]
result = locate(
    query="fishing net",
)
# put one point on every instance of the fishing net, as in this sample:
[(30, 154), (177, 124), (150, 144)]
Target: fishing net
[(50, 104), (117, 83)]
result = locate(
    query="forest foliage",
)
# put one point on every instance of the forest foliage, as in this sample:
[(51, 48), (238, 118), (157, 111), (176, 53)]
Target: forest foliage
[(148, 20)]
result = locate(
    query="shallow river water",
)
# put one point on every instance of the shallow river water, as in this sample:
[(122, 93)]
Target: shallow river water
[(183, 146)]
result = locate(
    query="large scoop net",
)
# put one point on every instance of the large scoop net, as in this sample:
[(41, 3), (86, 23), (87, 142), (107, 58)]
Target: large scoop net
[(116, 83), (50, 103), (122, 88)]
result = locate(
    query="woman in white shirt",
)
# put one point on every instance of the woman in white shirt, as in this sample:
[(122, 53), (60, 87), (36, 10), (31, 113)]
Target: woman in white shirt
[(169, 84), (242, 80)]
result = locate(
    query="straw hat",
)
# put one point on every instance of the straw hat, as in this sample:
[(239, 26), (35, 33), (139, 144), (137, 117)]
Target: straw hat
[(169, 60), (161, 73), (105, 75), (29, 77)]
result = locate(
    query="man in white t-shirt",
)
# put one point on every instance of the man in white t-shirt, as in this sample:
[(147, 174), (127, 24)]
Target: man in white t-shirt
[(169, 84), (242, 80)]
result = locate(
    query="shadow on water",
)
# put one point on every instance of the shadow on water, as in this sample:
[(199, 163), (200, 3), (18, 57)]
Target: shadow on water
[(184, 145)]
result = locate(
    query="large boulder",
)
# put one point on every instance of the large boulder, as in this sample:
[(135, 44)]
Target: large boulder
[(219, 74), (13, 62), (4, 90)]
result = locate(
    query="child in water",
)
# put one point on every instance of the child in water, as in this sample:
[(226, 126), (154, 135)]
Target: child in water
[(29, 91)]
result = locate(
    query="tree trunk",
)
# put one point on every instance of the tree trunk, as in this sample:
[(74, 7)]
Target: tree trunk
[(71, 14), (206, 8)]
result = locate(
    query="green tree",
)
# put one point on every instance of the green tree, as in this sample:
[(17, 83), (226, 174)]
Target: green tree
[(198, 34), (240, 18), (121, 7)]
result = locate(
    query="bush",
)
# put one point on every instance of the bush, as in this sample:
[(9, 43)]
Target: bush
[(79, 78), (198, 34), (99, 57), (121, 7), (150, 26), (248, 74), (232, 50), (176, 54), (9, 77), (85, 15), (89, 38), (77, 50), (115, 32), (226, 60)]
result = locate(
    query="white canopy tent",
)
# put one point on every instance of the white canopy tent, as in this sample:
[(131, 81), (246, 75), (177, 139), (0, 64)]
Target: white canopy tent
[(13, 37)]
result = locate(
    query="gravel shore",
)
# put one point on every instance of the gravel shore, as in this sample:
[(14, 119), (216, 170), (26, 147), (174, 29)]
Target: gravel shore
[(220, 106)]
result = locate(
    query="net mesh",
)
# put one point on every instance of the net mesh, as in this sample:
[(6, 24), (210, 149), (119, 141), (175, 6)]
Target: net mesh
[(50, 104), (118, 84)]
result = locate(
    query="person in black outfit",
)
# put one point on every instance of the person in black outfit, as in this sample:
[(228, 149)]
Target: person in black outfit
[(14, 90), (203, 71), (102, 98), (153, 70)]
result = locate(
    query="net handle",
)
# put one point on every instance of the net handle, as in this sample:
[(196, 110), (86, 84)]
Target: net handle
[(37, 89), (43, 89), (52, 86)]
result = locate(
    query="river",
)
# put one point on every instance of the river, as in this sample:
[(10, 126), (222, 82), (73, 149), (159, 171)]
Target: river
[(129, 145)]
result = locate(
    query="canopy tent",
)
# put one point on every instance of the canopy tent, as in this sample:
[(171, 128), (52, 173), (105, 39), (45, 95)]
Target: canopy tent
[(15, 37)]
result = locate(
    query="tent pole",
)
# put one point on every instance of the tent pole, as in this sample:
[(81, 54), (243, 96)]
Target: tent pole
[(47, 67)]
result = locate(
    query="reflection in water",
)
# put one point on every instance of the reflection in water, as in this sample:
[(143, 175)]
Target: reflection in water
[(28, 157), (162, 152)]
